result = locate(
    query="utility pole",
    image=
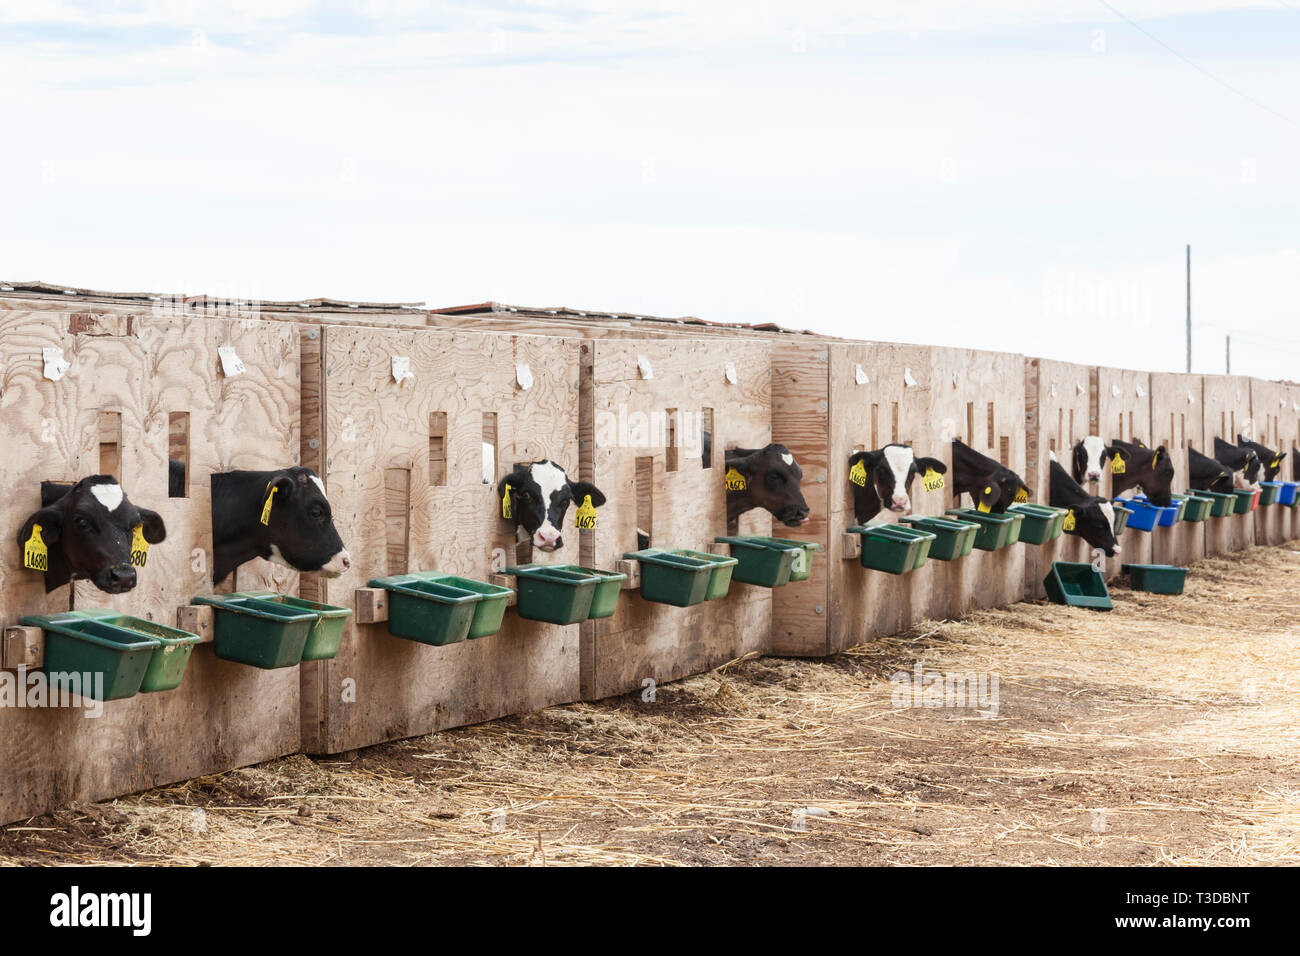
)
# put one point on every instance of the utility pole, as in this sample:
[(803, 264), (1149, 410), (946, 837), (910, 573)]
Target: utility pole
[(1189, 307), (1227, 355)]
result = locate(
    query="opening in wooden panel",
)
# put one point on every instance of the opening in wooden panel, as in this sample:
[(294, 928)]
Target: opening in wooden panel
[(110, 444), (670, 439), (397, 518), (706, 438), (178, 454), (990, 424), (875, 426), (893, 423), (645, 487), (970, 424), (438, 449), (489, 448), (1004, 451), (1068, 439)]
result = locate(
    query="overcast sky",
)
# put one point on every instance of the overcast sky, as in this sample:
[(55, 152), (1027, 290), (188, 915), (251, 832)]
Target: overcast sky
[(1003, 174)]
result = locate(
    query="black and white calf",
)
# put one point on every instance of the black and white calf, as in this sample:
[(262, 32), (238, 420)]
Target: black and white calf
[(1144, 470), (282, 516), (536, 495), (770, 478), (1093, 516), (1270, 461), (1206, 474), (991, 485), (1244, 464), (89, 531), (884, 479), (1091, 460)]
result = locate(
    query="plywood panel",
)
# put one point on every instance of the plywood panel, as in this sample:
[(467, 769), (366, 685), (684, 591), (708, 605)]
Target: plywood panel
[(651, 641), (1225, 412), (964, 383), (1124, 413), (1177, 401), (1273, 425), (1057, 414), (223, 715)]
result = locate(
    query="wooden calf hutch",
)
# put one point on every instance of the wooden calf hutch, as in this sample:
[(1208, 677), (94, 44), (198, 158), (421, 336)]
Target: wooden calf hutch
[(1276, 421), (1123, 412), (1226, 412), (1177, 410), (140, 388)]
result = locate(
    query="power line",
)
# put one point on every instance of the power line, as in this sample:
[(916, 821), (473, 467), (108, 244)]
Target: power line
[(1200, 69), (1295, 10)]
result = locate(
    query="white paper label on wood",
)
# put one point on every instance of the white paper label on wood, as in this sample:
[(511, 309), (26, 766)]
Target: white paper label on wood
[(1053, 391), (1114, 390), (643, 364), (523, 375), (956, 379), (55, 363), (1190, 399), (1079, 389), (860, 375), (402, 369), (729, 372), (907, 378), (1281, 403), (1141, 393), (230, 362)]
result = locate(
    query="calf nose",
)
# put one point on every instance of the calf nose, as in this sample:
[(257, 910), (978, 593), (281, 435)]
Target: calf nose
[(122, 576), (1094, 476), (901, 502), (548, 538)]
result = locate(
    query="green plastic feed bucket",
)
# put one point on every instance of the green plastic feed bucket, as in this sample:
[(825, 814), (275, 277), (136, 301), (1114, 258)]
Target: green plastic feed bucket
[(1180, 502), (1196, 507), (256, 631), (1224, 503), (604, 601), (1268, 492), (676, 579), (325, 635), (953, 539), (428, 612), (1078, 585), (1246, 500), (1122, 515), (1041, 523), (167, 666), (723, 568), (1156, 578), (892, 548), (761, 562), (802, 568), (93, 658), (995, 529), (491, 607), (553, 594)]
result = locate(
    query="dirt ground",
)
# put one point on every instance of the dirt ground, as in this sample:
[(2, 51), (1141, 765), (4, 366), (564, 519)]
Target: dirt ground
[(1164, 732)]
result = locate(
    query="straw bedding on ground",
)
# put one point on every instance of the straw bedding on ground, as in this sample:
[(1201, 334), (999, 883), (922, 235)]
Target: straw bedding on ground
[(1164, 732)]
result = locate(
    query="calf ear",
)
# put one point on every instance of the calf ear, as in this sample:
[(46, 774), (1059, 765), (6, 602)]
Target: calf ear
[(503, 484), (581, 489), (925, 464), (746, 465), (51, 522), (152, 524), (52, 491)]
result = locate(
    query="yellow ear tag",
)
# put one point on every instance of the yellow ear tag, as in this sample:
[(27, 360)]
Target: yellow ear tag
[(1117, 465), (1022, 495), (932, 480), (1155, 458), (1069, 520), (266, 508), (585, 519), (981, 505), (139, 547), (735, 480), (507, 510), (35, 555), (858, 475)]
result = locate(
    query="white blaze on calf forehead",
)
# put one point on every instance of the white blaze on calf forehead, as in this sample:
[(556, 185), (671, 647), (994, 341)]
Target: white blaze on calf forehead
[(1093, 450), (788, 458), (900, 459), (319, 484), (550, 479), (108, 495)]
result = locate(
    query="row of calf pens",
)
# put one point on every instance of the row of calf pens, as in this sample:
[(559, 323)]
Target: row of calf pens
[(608, 397)]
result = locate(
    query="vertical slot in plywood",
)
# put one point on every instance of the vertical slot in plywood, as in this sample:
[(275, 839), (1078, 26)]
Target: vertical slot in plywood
[(397, 518), (645, 485), (991, 425), (178, 450), (489, 448), (438, 448), (706, 429), (670, 439), (110, 444)]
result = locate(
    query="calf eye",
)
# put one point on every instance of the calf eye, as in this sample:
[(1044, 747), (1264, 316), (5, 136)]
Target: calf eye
[(317, 512), (775, 478), (81, 524)]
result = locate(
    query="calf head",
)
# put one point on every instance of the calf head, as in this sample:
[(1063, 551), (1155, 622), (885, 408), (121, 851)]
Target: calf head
[(885, 479), (87, 531), (1270, 461), (1094, 522), (1151, 471), (1243, 462), (282, 516), (1092, 459), (1206, 474), (991, 485), (536, 495), (768, 478)]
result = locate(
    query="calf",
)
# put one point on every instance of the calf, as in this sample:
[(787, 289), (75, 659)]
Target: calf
[(1243, 462), (991, 485), (1270, 461), (535, 495), (1206, 474), (89, 531), (282, 516), (765, 478), (1092, 459), (1150, 472), (1093, 517), (885, 475)]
